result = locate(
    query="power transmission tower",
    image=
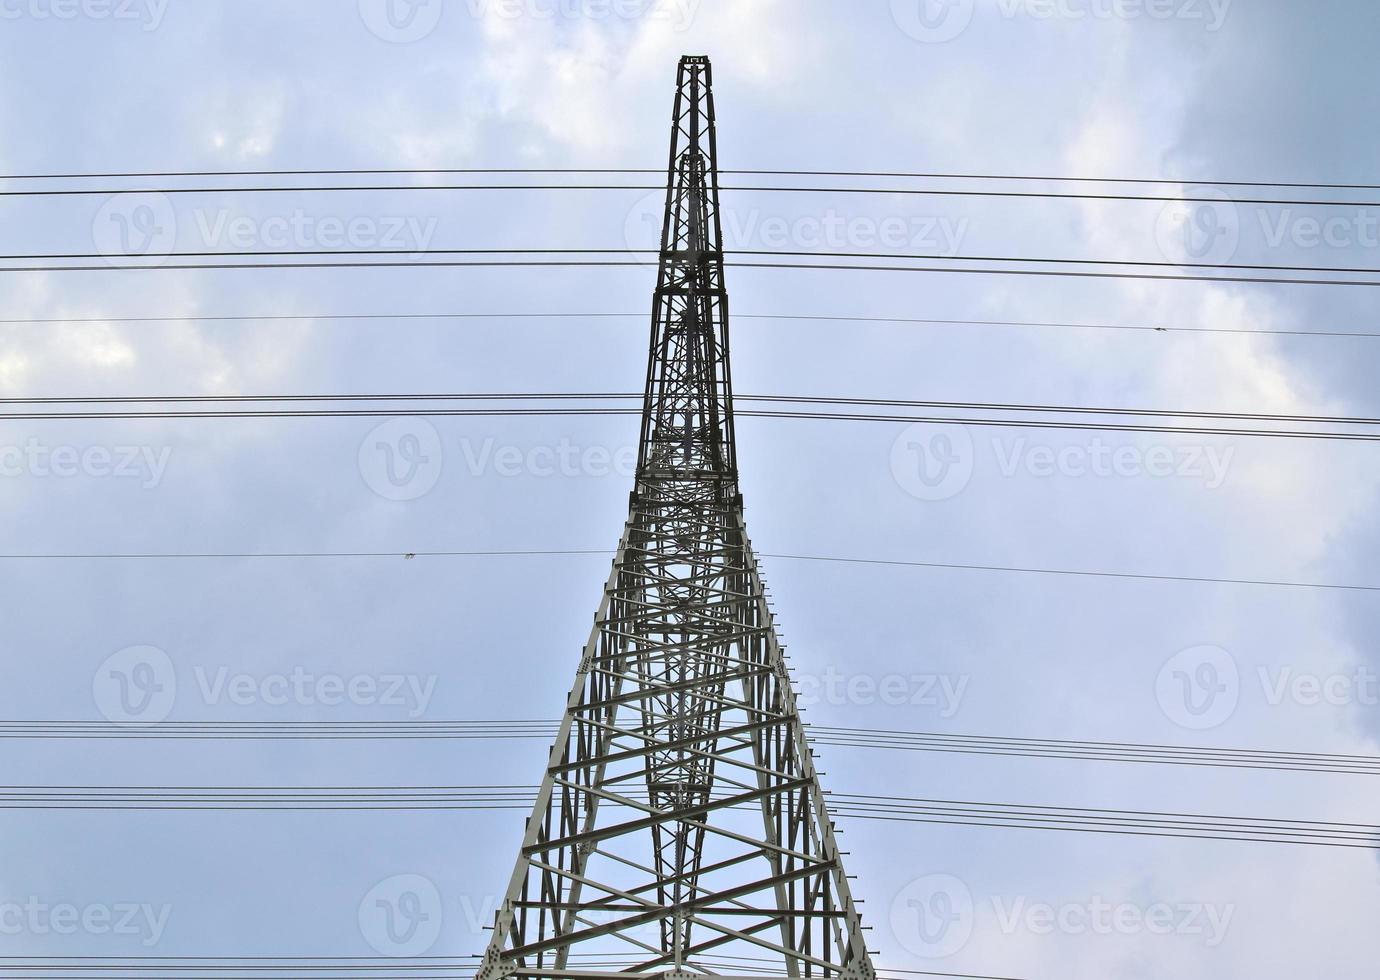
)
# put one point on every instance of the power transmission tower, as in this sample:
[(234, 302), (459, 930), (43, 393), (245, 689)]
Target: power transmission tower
[(680, 828)]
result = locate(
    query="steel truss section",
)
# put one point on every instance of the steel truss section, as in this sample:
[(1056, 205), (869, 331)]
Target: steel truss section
[(680, 822)]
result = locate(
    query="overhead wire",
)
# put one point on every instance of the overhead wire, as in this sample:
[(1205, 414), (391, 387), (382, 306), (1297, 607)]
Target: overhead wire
[(746, 188), (604, 552), (864, 807), (833, 736)]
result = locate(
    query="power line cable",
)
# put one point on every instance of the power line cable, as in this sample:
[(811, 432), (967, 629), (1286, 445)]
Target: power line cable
[(642, 316), (863, 738), (902, 191), (543, 396), (432, 967), (111, 266), (881, 562), (867, 807), (245, 253), (490, 412), (318, 172)]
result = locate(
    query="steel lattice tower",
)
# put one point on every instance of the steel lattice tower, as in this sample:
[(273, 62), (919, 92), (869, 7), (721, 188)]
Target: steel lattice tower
[(680, 827)]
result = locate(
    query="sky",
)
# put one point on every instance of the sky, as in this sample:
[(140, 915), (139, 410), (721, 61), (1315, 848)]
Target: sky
[(1175, 90)]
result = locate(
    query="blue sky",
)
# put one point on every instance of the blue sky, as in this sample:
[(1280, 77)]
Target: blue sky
[(1246, 90)]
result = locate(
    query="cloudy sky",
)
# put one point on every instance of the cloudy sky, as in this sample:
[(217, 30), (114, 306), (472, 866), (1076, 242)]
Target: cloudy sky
[(1175, 90)]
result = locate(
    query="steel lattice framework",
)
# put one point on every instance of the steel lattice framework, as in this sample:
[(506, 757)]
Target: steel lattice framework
[(680, 823)]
